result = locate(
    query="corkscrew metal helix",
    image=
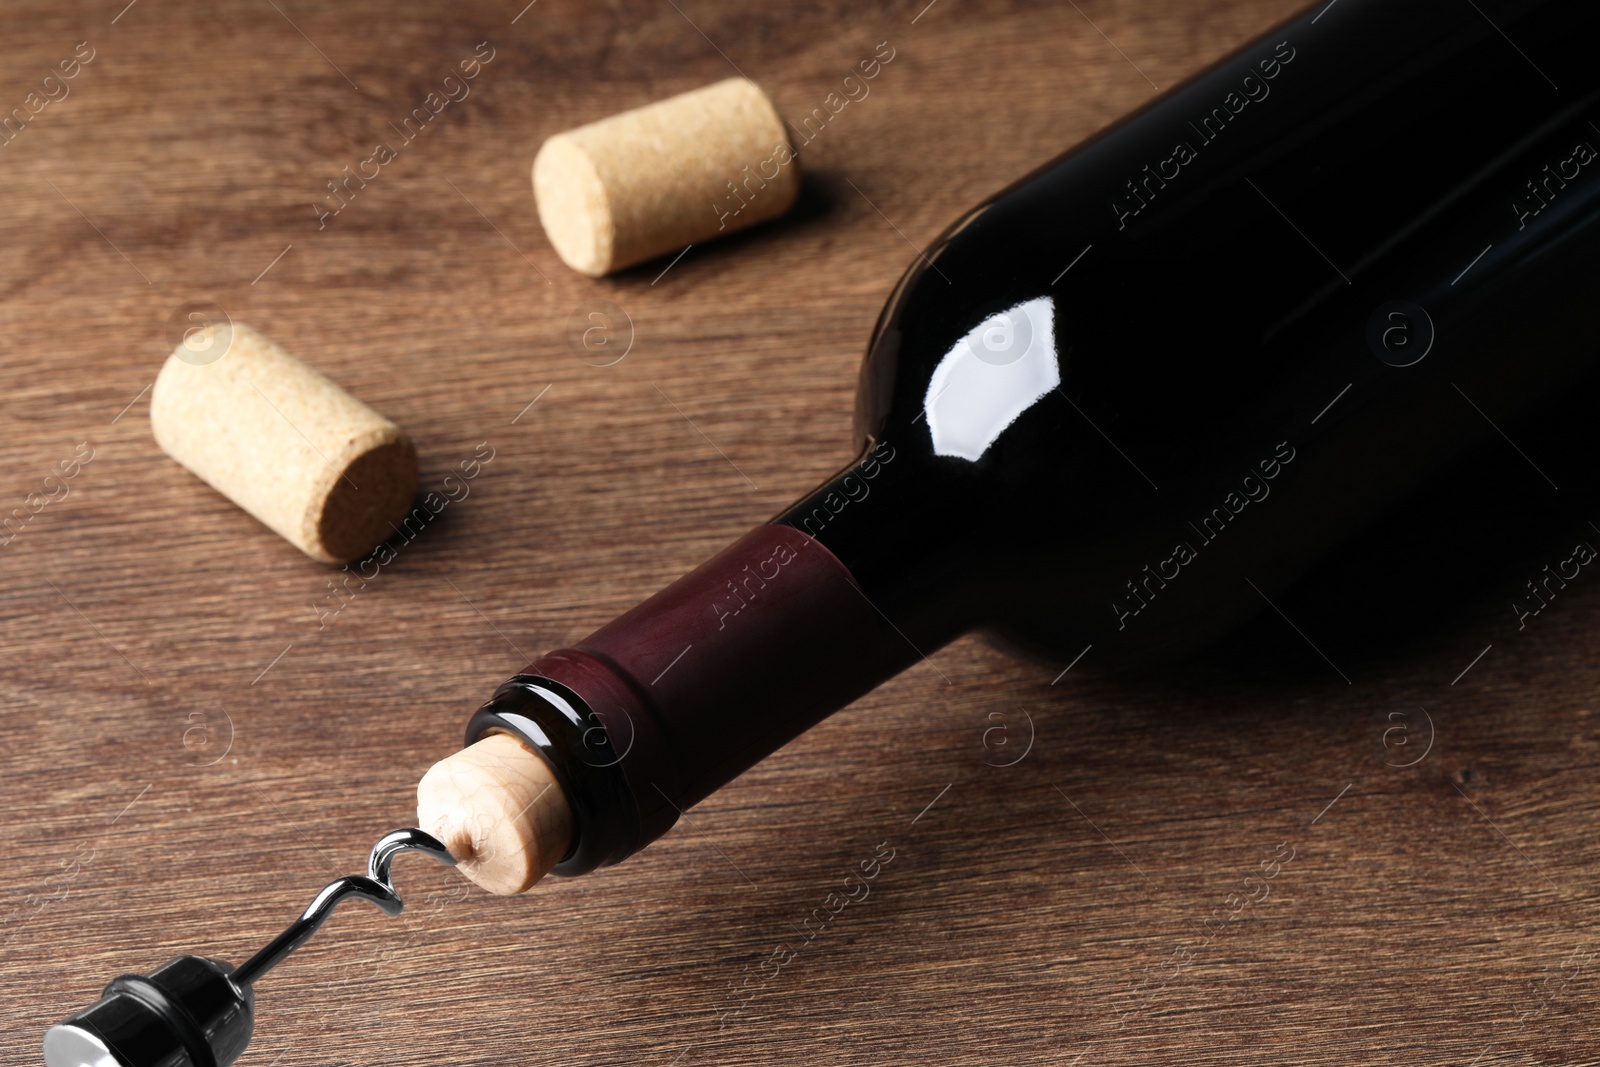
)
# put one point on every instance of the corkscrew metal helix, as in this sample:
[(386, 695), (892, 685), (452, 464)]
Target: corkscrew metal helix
[(197, 1012)]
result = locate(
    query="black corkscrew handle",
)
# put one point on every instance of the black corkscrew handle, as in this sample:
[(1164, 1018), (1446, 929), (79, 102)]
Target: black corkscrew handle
[(197, 1012)]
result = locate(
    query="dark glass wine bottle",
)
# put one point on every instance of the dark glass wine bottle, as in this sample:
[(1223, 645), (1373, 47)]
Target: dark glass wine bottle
[(1137, 393)]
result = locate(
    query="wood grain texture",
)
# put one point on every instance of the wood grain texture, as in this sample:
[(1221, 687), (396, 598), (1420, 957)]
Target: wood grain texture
[(194, 746)]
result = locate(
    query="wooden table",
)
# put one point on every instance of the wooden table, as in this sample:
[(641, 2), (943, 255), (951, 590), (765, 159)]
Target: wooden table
[(1239, 862)]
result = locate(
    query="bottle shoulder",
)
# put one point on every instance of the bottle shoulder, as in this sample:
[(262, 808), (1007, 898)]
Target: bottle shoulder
[(1253, 320)]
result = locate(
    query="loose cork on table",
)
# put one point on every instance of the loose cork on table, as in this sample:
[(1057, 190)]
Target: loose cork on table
[(282, 441), (656, 179)]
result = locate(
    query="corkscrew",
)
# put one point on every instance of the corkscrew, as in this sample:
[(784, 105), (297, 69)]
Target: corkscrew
[(198, 1012)]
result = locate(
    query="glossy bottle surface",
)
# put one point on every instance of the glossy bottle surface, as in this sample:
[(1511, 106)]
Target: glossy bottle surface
[(1135, 395), (1146, 387)]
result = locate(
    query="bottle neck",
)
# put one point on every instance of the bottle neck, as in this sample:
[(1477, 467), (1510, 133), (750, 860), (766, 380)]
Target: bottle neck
[(912, 541), (662, 706)]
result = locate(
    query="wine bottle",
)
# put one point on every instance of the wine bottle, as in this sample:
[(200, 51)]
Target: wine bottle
[(1130, 398)]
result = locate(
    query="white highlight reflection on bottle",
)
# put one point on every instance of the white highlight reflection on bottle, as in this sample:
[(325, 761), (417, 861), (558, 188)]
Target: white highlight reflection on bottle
[(1001, 368)]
